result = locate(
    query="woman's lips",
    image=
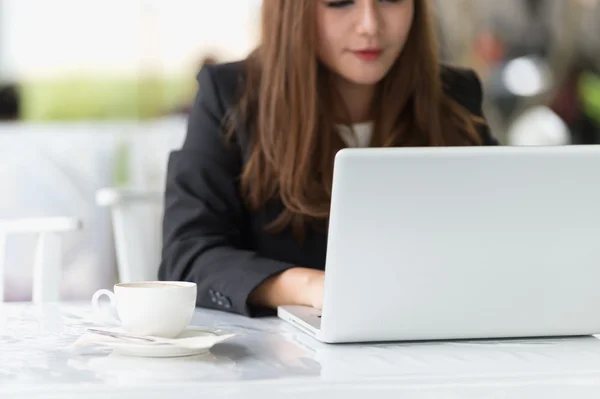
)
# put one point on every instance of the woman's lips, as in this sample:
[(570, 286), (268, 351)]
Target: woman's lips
[(368, 54)]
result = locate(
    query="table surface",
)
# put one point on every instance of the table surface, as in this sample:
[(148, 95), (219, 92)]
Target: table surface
[(270, 357)]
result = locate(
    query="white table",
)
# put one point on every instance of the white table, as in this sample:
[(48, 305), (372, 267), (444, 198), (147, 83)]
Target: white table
[(271, 359)]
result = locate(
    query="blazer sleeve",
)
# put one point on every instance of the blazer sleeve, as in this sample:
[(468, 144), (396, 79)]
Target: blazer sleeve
[(203, 213)]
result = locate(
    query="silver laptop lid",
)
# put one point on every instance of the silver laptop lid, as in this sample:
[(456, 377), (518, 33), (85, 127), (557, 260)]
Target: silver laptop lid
[(452, 243)]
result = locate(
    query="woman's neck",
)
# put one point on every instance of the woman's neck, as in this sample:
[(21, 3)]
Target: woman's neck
[(356, 100)]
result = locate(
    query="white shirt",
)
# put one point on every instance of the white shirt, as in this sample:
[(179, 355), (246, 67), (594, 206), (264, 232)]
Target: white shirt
[(357, 135)]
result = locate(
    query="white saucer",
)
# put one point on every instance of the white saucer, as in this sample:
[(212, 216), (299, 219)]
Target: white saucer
[(144, 350)]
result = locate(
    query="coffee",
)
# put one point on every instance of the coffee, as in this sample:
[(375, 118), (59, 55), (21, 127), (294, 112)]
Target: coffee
[(150, 285)]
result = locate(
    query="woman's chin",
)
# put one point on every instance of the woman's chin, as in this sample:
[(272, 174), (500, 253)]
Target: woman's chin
[(365, 77)]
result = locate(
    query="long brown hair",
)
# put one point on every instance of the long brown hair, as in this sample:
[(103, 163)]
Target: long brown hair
[(287, 108)]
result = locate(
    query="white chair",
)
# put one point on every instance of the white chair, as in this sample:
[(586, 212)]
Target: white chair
[(47, 261), (136, 216)]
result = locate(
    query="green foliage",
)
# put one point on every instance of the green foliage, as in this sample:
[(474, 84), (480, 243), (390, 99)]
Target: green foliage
[(104, 98), (589, 90)]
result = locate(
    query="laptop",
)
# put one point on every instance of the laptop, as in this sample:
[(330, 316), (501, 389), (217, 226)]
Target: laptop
[(460, 243)]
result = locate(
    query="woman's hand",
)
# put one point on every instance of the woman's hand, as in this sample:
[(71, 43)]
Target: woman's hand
[(296, 286)]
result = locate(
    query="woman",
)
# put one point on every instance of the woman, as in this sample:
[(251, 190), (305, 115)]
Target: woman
[(247, 197)]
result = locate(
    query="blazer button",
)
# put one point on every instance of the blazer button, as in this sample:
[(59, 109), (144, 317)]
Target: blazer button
[(226, 303)]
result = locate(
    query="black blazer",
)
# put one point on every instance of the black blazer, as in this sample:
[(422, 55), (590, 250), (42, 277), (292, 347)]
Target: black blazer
[(209, 236)]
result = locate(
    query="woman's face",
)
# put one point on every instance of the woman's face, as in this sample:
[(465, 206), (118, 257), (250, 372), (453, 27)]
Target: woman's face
[(360, 40)]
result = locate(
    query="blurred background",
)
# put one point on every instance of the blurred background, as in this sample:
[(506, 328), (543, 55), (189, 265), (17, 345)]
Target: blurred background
[(94, 94)]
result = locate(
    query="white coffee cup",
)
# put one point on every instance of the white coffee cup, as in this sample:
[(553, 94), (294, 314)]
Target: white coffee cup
[(152, 308)]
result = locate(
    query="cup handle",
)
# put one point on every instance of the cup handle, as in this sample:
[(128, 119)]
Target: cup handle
[(113, 304)]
